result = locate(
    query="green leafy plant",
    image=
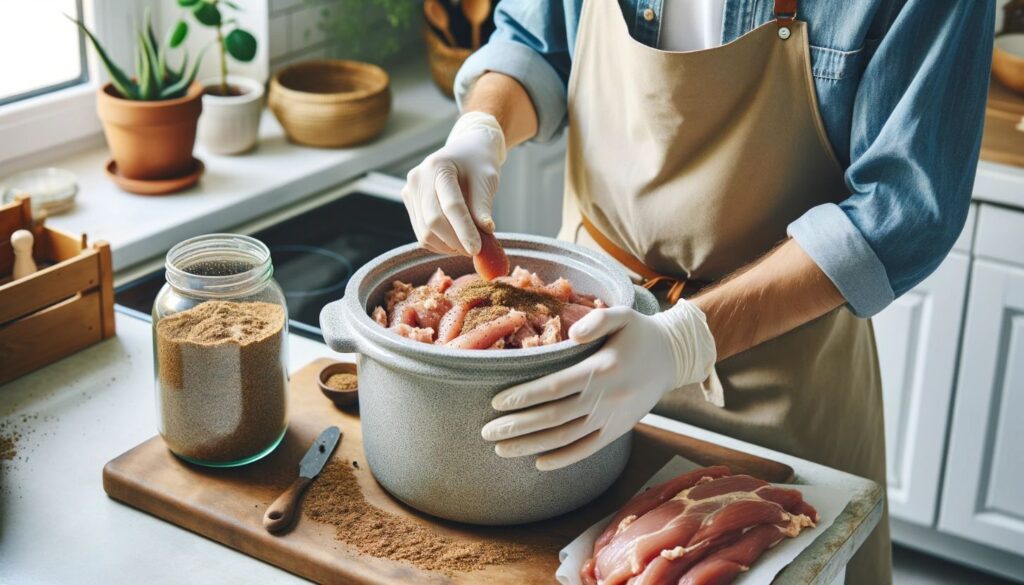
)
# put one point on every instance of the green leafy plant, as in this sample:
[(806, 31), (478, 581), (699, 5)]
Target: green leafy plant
[(154, 79), (358, 26), (238, 42)]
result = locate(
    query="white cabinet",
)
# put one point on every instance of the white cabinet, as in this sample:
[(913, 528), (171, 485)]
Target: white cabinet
[(529, 197), (983, 497), (918, 337)]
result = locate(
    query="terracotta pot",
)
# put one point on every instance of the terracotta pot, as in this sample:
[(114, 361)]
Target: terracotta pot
[(150, 140)]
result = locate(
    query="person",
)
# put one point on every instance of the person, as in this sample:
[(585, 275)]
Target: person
[(778, 173)]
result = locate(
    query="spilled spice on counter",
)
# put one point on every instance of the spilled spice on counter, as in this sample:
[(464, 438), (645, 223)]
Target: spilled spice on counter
[(9, 446), (335, 499), (343, 381), (221, 379)]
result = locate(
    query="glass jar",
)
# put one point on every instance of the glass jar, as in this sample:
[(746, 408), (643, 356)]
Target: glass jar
[(220, 330)]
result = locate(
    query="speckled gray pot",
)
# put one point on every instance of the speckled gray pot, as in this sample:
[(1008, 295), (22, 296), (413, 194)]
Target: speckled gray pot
[(422, 406)]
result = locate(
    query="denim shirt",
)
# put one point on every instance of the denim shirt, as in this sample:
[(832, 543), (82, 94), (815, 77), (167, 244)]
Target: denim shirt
[(901, 88)]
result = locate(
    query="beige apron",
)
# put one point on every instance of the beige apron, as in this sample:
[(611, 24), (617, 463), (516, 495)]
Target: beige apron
[(693, 164)]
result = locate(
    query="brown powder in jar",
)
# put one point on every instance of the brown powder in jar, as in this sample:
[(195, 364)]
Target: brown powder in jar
[(335, 499), (221, 379), (343, 381), (506, 295)]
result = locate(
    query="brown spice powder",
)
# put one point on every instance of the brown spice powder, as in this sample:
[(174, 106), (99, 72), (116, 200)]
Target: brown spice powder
[(335, 499), (506, 295), (9, 446), (480, 315), (221, 379), (343, 381)]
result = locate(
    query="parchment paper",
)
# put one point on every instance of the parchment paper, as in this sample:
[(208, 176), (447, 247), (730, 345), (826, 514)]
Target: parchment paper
[(829, 502)]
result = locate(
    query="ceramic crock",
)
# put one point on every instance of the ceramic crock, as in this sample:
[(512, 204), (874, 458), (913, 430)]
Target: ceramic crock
[(422, 406)]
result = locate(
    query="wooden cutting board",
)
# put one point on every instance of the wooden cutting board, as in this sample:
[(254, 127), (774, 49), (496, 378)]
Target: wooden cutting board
[(227, 505)]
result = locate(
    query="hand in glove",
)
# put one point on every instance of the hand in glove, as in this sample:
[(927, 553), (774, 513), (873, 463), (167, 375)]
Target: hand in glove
[(450, 194), (571, 414)]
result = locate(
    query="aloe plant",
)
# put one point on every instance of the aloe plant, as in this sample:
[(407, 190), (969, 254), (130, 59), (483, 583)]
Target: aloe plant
[(154, 79), (239, 43)]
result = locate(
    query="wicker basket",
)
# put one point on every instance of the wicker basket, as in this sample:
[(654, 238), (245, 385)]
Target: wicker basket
[(444, 61), (330, 103)]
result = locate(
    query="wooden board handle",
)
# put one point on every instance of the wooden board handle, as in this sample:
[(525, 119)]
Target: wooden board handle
[(285, 508)]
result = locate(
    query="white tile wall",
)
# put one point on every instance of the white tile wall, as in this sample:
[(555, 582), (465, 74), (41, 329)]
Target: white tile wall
[(295, 32)]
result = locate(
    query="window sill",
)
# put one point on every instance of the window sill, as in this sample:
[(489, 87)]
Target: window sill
[(238, 189)]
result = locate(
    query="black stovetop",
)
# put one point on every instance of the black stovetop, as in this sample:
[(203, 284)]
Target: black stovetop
[(314, 254)]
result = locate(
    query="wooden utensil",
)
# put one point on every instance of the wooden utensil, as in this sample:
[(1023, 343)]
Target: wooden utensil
[(281, 513), (476, 12), (437, 16)]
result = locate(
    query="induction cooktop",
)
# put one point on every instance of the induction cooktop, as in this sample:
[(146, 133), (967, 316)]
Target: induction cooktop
[(314, 254)]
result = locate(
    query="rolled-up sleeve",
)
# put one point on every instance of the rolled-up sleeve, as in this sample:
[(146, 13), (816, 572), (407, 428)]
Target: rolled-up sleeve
[(530, 43), (915, 138)]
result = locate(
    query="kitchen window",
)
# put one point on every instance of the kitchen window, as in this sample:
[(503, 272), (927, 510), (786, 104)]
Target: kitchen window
[(48, 75), (56, 47)]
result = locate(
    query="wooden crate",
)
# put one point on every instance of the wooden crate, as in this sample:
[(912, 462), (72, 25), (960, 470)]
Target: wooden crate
[(64, 307)]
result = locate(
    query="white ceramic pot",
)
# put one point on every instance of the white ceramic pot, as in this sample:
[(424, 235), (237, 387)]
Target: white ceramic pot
[(231, 125)]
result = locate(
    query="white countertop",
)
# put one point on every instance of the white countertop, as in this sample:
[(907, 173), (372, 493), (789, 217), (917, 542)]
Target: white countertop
[(237, 189), (58, 526)]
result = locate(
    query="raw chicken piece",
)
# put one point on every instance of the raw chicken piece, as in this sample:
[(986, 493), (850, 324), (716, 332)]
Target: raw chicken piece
[(423, 307), (484, 336), (398, 293), (439, 281), (664, 543), (646, 501), (560, 289), (571, 313), (522, 334), (491, 262), (523, 278), (552, 333), (403, 314), (460, 283), (724, 565), (452, 321), (424, 335), (380, 316)]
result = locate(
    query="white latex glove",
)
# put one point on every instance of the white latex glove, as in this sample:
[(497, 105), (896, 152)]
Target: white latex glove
[(450, 194), (571, 414)]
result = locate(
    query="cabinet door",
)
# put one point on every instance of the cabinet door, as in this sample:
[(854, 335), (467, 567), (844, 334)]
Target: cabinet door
[(983, 493), (917, 337), (530, 195)]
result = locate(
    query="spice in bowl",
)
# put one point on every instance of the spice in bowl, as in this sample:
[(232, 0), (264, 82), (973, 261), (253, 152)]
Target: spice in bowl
[(340, 383)]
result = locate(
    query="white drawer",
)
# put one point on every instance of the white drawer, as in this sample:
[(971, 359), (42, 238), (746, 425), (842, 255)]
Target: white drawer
[(1000, 234)]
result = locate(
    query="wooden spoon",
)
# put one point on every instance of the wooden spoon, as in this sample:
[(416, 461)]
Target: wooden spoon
[(437, 16), (476, 12)]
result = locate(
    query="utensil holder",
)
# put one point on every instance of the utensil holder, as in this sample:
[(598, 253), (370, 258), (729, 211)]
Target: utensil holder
[(444, 61), (67, 305)]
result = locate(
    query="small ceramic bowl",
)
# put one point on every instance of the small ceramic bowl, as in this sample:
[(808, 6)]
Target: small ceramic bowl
[(51, 189), (339, 397), (1008, 61)]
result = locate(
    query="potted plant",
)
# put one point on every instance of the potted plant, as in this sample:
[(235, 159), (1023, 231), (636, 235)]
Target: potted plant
[(231, 104), (150, 119)]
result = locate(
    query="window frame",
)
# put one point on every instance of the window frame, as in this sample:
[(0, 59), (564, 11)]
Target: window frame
[(32, 128)]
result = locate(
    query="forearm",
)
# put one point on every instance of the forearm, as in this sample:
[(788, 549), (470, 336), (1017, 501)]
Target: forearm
[(771, 296), (504, 98)]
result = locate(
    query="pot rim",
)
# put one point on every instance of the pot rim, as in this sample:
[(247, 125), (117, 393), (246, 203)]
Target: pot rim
[(253, 90), (106, 92), (374, 339)]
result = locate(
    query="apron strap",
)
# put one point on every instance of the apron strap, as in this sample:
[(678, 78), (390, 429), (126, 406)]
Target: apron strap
[(651, 278), (784, 13)]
